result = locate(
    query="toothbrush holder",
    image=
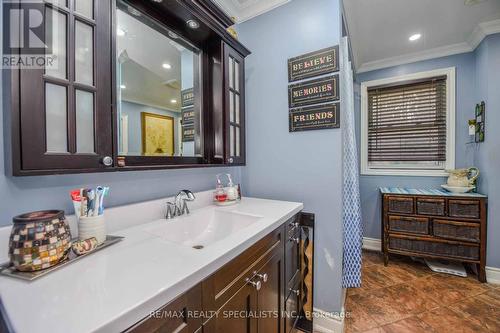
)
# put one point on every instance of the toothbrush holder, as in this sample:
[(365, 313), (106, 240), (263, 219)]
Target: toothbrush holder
[(92, 226)]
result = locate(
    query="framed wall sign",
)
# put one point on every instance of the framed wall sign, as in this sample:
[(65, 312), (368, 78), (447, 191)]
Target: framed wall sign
[(315, 117), (313, 64), (187, 97), (188, 116), (188, 133), (316, 91)]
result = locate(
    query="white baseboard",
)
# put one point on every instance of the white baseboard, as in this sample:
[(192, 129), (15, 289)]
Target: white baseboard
[(373, 244), (493, 275), (325, 322)]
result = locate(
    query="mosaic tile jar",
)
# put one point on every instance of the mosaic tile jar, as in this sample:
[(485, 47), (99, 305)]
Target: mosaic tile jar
[(39, 240)]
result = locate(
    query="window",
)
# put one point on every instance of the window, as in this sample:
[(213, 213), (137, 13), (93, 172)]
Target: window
[(408, 124)]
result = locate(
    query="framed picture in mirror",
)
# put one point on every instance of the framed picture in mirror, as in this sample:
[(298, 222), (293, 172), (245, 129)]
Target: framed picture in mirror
[(157, 135)]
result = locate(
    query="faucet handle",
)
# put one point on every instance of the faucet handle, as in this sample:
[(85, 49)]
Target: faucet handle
[(186, 195)]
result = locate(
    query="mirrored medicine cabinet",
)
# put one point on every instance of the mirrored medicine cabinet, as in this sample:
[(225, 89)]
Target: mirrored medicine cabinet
[(131, 85)]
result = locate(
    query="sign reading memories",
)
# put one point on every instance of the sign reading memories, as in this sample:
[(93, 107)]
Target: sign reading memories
[(315, 117), (313, 64), (187, 97), (188, 116), (322, 90)]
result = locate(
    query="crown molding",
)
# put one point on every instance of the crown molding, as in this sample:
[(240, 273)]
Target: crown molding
[(414, 57), (245, 13), (480, 32)]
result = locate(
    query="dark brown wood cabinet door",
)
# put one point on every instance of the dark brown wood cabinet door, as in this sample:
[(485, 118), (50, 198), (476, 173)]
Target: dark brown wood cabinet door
[(234, 106), (65, 111), (270, 297), (236, 314)]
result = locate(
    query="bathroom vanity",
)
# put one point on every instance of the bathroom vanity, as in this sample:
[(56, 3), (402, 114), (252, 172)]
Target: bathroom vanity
[(201, 272)]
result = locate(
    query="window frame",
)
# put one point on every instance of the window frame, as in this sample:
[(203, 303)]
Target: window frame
[(368, 170)]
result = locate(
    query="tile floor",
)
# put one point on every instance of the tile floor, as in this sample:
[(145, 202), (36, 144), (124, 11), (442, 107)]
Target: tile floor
[(406, 296)]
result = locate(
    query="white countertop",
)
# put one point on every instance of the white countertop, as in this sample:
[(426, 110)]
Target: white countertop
[(113, 289)]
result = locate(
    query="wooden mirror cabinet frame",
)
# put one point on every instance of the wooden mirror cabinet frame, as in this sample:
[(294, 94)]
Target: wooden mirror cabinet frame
[(215, 43)]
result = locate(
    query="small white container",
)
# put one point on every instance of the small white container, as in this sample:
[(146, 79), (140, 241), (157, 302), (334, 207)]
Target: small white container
[(93, 226)]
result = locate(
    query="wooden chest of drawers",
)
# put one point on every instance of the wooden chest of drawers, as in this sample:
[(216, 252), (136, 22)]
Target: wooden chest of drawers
[(435, 226)]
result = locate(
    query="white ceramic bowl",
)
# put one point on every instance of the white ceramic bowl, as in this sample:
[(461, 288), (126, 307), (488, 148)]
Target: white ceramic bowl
[(458, 189)]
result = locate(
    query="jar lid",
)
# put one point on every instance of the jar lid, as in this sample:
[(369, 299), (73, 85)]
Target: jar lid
[(40, 216)]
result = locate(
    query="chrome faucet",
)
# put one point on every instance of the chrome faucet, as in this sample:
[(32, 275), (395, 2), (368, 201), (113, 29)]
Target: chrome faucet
[(180, 206)]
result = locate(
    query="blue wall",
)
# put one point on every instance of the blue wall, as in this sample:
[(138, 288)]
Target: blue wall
[(370, 197), (303, 166), (476, 80), (487, 155)]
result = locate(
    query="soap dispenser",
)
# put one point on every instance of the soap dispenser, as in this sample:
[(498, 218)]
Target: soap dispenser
[(232, 190), (220, 195)]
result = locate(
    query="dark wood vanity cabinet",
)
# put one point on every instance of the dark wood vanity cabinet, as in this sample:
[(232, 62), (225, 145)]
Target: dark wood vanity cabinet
[(61, 116), (68, 119), (259, 291)]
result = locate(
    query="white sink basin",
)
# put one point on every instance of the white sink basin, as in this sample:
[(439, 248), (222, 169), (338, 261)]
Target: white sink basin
[(203, 227)]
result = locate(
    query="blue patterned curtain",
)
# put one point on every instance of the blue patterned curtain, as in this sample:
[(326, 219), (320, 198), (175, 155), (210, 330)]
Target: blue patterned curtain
[(353, 233)]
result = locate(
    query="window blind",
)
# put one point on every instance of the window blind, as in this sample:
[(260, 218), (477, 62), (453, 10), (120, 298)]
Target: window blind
[(407, 122)]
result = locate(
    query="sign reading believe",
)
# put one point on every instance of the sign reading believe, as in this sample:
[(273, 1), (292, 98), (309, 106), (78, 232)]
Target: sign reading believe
[(313, 64)]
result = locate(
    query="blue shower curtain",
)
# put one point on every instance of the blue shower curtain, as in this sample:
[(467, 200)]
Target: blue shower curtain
[(351, 205)]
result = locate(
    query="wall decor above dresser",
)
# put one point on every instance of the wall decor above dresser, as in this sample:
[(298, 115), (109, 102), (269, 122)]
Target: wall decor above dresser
[(311, 102)]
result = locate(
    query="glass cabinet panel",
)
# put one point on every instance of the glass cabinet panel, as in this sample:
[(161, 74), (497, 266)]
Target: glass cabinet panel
[(56, 110), (56, 26), (85, 8), (84, 121), (84, 51)]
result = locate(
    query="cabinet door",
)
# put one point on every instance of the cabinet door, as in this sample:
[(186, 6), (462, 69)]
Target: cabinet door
[(236, 314), (65, 110), (234, 106), (270, 297)]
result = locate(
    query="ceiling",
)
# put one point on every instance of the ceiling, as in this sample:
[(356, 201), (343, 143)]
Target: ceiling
[(142, 52), (243, 10), (379, 29)]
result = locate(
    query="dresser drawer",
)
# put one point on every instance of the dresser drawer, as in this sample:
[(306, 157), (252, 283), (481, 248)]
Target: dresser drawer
[(464, 208), (455, 230), (400, 204), (434, 247), (430, 206), (415, 225)]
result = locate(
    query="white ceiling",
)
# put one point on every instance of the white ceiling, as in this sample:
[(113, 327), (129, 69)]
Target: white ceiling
[(379, 29), (243, 10), (143, 51)]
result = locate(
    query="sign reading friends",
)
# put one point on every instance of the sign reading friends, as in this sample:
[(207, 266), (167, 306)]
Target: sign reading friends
[(316, 91), (313, 64), (315, 117)]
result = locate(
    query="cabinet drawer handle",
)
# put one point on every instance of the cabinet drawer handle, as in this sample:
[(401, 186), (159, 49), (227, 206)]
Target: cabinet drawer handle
[(256, 284), (264, 277), (296, 292), (295, 239)]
